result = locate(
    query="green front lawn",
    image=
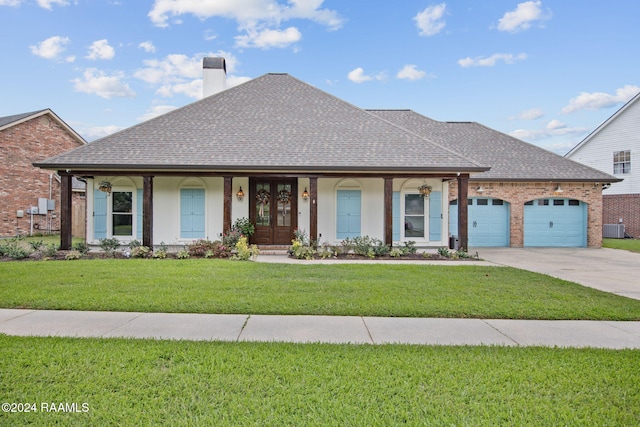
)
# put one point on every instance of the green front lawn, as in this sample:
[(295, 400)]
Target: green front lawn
[(143, 382), (223, 286), (632, 245)]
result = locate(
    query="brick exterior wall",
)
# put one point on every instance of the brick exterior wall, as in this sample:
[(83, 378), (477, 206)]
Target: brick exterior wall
[(625, 207), (21, 184), (517, 193)]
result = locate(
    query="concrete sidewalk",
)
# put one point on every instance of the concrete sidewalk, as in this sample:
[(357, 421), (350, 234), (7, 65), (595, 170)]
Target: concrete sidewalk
[(326, 329)]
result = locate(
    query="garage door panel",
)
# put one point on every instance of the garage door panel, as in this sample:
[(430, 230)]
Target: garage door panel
[(555, 223), (488, 222)]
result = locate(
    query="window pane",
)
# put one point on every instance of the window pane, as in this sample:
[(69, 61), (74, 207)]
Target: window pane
[(414, 226), (284, 205), (122, 201), (413, 204), (497, 202), (122, 224), (263, 204), (483, 202), (558, 203)]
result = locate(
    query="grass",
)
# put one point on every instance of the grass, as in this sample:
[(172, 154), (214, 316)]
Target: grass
[(222, 286), (632, 245), (143, 382)]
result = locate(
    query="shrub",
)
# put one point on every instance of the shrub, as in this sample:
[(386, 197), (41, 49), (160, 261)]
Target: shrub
[(244, 252), (231, 238), (82, 247), (109, 246), (134, 244), (71, 255), (301, 247), (208, 249), (396, 252), (50, 250), (369, 247), (183, 254), (443, 251), (140, 251), (159, 254), (409, 248), (244, 227), (35, 245)]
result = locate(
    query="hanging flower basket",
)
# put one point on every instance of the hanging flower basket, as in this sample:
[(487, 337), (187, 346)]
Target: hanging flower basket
[(424, 190), (104, 186)]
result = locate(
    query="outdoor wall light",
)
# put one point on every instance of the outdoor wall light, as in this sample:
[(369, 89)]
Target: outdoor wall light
[(240, 194), (558, 190), (305, 194), (480, 190)]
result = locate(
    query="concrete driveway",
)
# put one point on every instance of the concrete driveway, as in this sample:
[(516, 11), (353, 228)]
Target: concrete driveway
[(609, 270)]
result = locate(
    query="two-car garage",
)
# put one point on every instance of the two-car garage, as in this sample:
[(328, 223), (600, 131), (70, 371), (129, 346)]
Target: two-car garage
[(548, 222)]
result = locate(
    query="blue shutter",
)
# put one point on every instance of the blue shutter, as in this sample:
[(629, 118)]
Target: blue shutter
[(396, 216), (348, 211), (435, 216), (139, 214), (99, 214), (453, 218), (192, 213)]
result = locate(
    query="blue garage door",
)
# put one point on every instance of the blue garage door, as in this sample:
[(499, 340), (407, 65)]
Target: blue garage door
[(488, 221), (555, 222)]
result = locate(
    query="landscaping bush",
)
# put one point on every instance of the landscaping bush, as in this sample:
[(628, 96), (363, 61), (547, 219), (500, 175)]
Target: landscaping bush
[(50, 250), (244, 252), (140, 251), (109, 246), (208, 249), (73, 255)]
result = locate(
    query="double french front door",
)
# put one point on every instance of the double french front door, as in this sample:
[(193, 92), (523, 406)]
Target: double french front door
[(273, 210)]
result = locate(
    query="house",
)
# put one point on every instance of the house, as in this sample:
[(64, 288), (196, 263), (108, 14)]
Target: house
[(612, 147), (289, 156), (29, 193)]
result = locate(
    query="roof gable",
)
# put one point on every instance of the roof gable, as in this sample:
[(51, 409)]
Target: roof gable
[(510, 158), (14, 120), (274, 122)]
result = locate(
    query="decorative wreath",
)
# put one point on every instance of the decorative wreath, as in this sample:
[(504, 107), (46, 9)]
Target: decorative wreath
[(284, 196), (263, 197), (424, 190)]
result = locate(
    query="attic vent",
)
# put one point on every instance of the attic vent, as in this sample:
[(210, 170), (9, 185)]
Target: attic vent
[(613, 231)]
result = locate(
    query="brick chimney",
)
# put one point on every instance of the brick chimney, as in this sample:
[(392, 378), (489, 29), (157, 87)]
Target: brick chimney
[(214, 73)]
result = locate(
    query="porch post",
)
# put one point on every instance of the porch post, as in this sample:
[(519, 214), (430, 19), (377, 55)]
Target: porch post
[(147, 211), (463, 216), (65, 210), (313, 214), (226, 218), (388, 211)]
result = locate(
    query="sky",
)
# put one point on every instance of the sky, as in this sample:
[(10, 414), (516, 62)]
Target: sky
[(546, 71)]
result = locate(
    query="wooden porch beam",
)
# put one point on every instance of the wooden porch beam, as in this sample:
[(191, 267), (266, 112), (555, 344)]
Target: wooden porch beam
[(65, 210), (463, 209), (388, 211), (313, 214), (228, 199), (147, 211)]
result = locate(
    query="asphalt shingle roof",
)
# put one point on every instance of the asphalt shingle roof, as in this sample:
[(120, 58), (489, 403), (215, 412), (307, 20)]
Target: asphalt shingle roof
[(274, 122), (510, 158)]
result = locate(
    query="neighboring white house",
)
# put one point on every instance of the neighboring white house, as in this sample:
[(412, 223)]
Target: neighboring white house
[(614, 147)]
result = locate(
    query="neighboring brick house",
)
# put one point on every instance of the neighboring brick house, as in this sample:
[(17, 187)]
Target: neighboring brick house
[(289, 156), (24, 139), (614, 147)]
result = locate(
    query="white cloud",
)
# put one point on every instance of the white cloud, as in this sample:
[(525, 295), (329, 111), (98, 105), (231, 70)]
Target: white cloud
[(100, 49), (411, 72), (147, 46), (430, 21), (599, 100), (246, 12), (46, 4), (532, 114), (13, 3), (51, 47), (156, 111), (521, 18), (181, 74), (266, 39), (479, 61), (357, 76), (553, 128), (97, 82)]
